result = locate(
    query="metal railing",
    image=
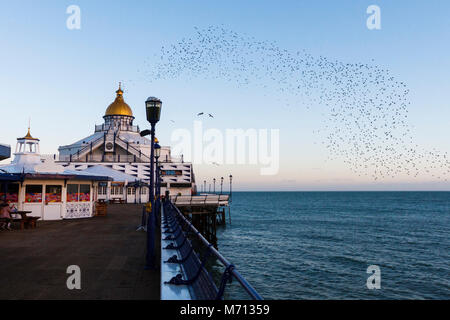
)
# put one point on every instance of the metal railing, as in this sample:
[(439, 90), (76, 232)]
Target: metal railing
[(174, 220), (207, 199), (142, 157), (100, 158), (107, 127)]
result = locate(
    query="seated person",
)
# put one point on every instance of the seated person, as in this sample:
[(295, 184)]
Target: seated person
[(5, 214)]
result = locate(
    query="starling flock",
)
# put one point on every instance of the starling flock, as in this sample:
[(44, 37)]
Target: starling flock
[(364, 107)]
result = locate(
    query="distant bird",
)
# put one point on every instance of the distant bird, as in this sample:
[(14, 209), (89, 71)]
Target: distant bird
[(200, 114), (210, 115)]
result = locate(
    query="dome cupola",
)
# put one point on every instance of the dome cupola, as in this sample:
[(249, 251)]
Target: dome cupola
[(119, 107)]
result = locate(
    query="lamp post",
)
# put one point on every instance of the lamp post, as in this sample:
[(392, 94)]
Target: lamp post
[(214, 181), (157, 181), (153, 111), (231, 190), (221, 185), (204, 185)]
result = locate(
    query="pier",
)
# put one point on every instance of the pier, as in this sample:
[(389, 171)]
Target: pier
[(111, 256), (206, 212), (184, 275)]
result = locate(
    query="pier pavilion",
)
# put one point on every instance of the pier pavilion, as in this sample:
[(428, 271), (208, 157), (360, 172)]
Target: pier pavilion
[(48, 190), (117, 144)]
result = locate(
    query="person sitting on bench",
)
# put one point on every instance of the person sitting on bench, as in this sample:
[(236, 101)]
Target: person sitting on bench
[(5, 214)]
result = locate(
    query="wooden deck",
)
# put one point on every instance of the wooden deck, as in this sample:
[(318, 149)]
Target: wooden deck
[(109, 251)]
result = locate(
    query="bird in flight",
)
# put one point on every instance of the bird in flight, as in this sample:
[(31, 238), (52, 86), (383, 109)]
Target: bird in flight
[(199, 114), (210, 115)]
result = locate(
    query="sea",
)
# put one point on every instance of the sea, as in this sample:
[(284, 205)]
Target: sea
[(320, 245)]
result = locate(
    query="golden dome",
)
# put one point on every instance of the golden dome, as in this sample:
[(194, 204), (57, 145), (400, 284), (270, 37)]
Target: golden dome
[(119, 106)]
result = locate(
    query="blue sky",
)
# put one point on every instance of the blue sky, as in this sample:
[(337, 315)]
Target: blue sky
[(64, 79)]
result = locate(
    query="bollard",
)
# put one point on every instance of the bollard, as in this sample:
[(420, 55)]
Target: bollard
[(150, 257)]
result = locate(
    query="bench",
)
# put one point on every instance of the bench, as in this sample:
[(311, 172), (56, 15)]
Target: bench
[(31, 221), (117, 200), (28, 222)]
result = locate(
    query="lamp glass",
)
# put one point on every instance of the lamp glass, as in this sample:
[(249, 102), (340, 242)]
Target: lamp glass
[(153, 109), (157, 150)]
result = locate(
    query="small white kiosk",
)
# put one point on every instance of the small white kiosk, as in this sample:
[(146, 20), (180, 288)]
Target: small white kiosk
[(47, 190)]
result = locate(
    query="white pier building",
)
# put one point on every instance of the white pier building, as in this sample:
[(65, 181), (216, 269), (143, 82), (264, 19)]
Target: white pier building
[(46, 189), (117, 145)]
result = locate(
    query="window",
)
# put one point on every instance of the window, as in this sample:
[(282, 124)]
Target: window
[(85, 193), (33, 193), (12, 193), (143, 190), (53, 193), (78, 193), (117, 188), (171, 172), (101, 190), (72, 193)]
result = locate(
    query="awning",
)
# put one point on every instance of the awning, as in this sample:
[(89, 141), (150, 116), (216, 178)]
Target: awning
[(12, 177), (137, 184), (59, 176)]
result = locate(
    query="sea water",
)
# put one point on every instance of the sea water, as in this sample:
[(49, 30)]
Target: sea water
[(318, 245)]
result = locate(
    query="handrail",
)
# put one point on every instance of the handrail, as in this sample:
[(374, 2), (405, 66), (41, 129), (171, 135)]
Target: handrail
[(87, 147), (78, 155), (247, 287), (131, 147)]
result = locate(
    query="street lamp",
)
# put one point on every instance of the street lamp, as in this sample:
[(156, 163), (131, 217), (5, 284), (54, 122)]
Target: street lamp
[(221, 185), (214, 190), (204, 185), (157, 180), (153, 111), (231, 191)]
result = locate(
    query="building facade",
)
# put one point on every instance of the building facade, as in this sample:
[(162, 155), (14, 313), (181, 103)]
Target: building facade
[(117, 144), (45, 189)]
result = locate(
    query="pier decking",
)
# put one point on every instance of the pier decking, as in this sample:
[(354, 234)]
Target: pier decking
[(109, 251)]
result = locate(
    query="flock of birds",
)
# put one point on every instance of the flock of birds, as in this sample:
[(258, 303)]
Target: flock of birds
[(365, 108)]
